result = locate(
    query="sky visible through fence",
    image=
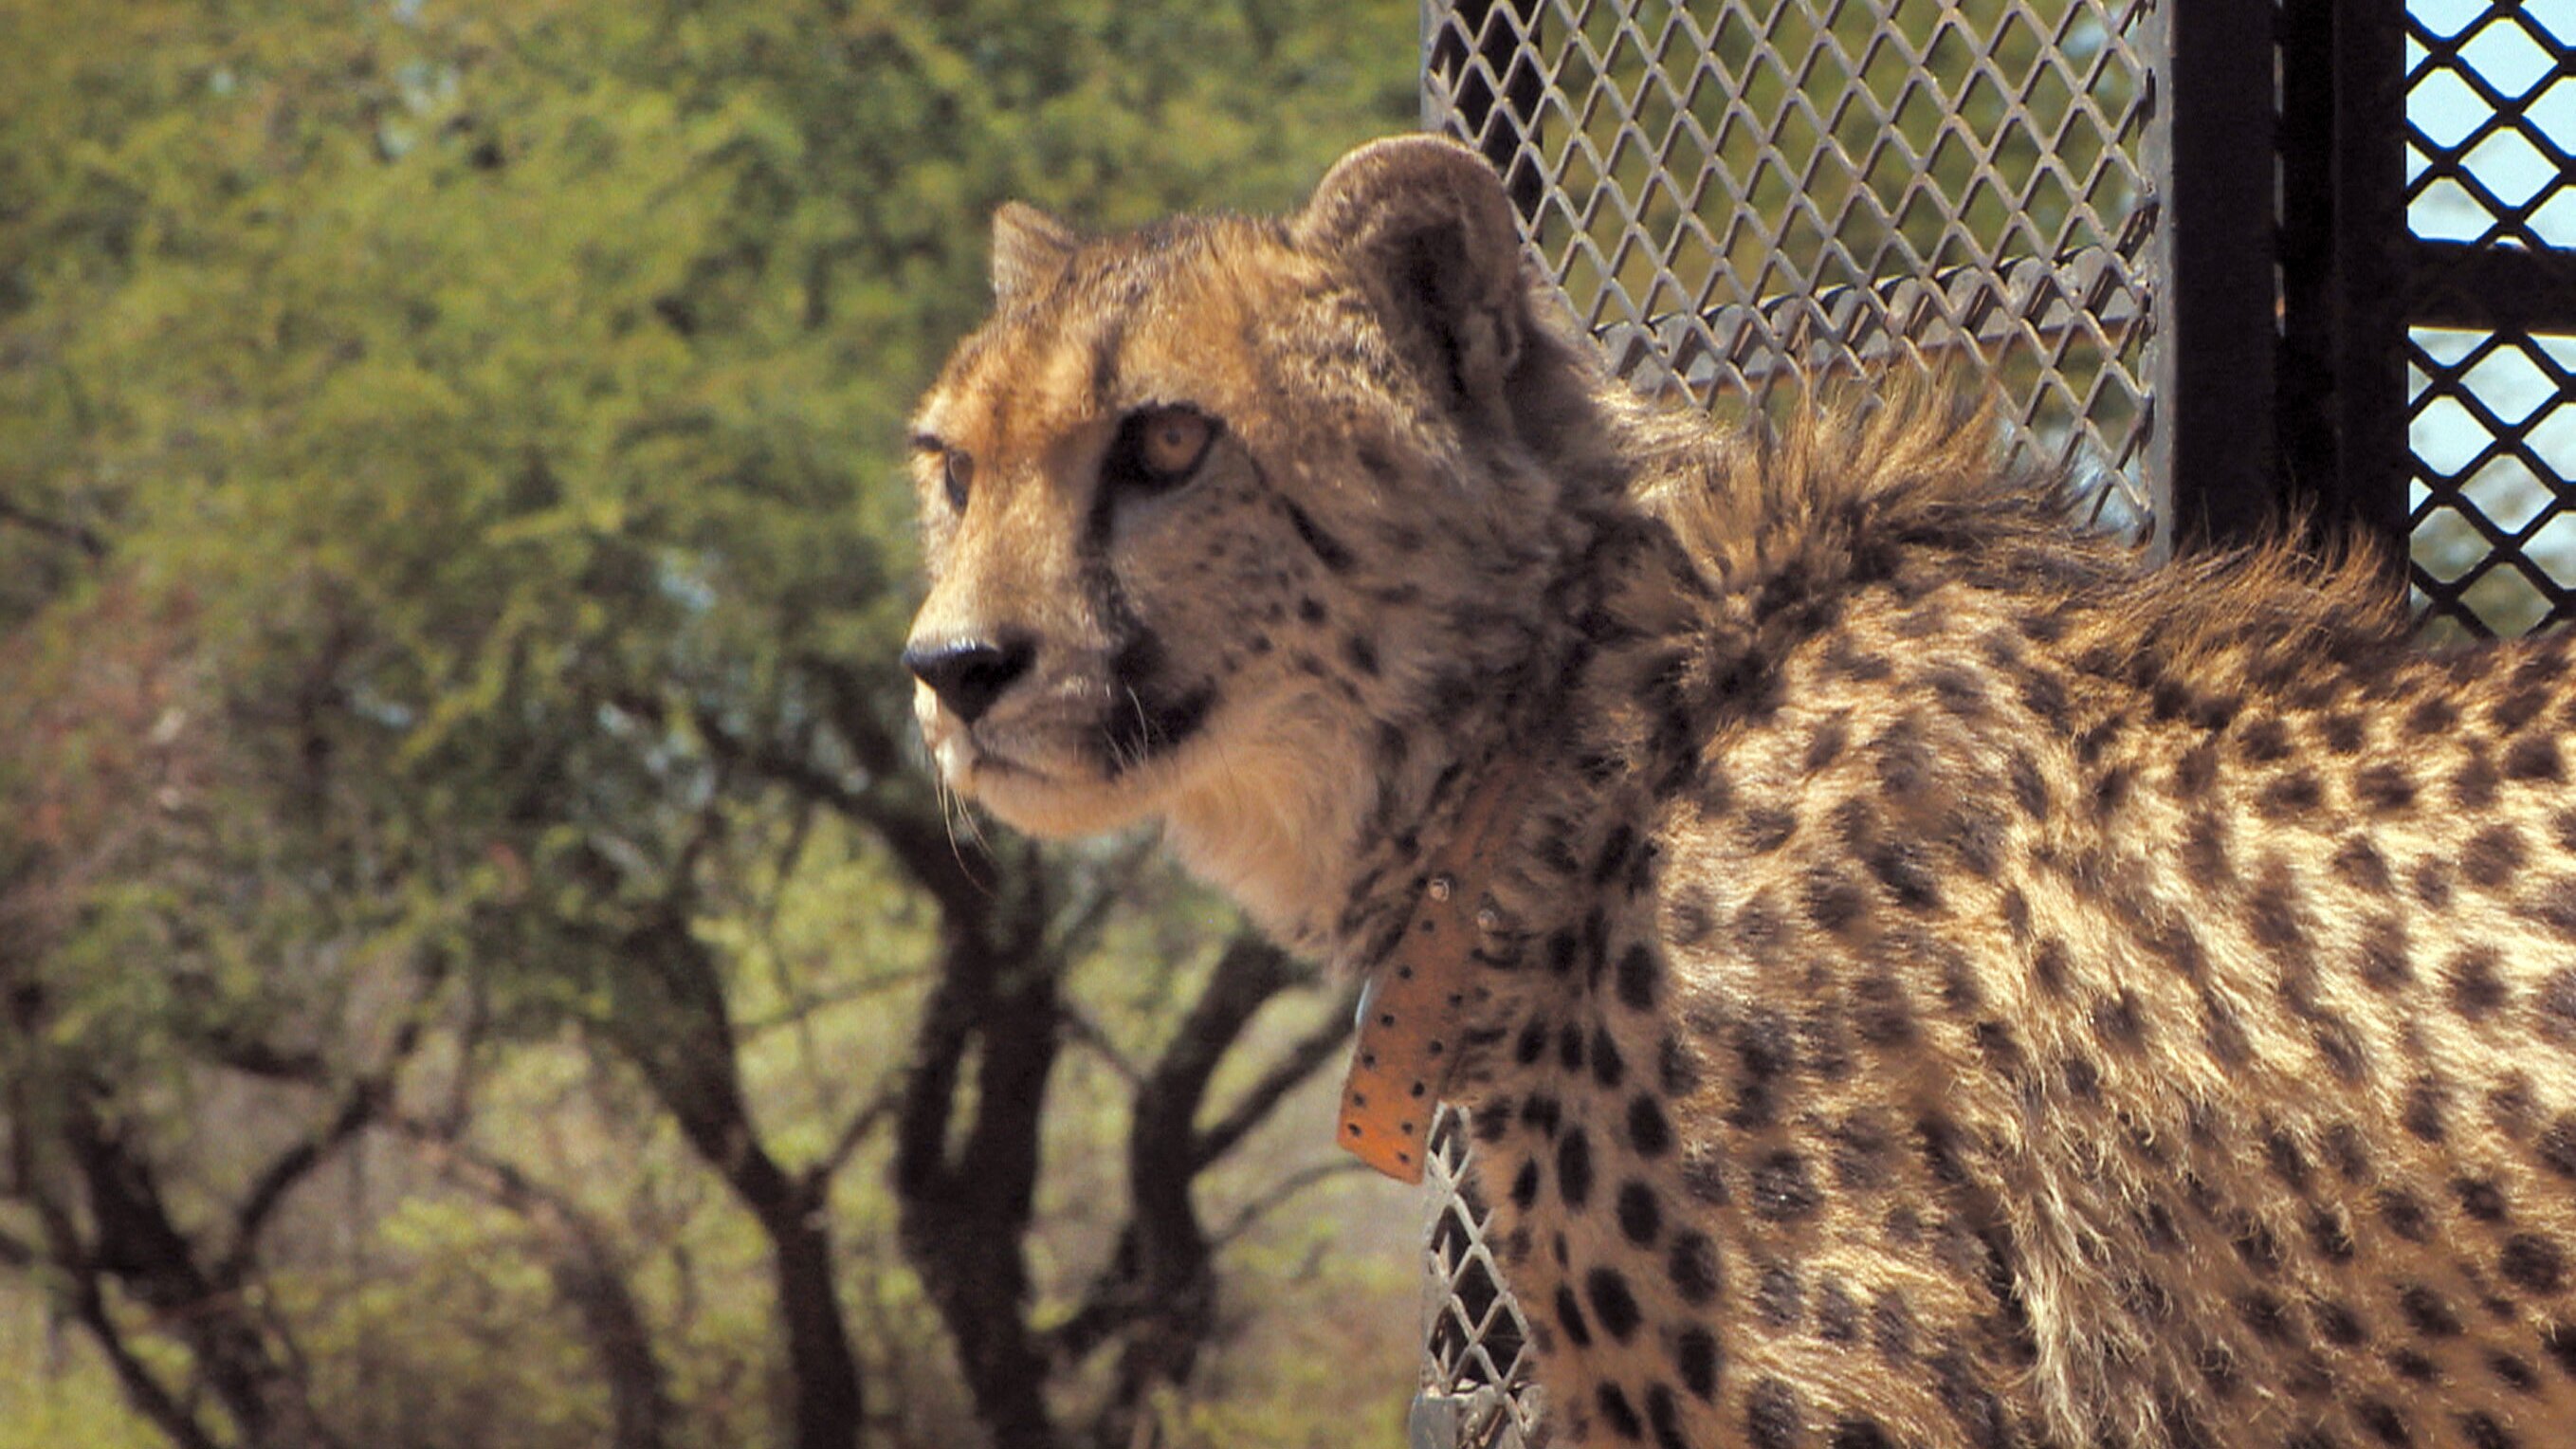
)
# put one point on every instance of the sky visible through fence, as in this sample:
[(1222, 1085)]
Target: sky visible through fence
[(2491, 106)]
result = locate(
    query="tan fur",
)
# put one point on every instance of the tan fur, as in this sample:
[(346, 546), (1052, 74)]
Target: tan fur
[(1959, 984)]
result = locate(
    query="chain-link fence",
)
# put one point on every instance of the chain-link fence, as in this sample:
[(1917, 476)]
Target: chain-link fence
[(2236, 262)]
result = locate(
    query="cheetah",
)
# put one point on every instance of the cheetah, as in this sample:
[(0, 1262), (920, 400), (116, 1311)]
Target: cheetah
[(1918, 974)]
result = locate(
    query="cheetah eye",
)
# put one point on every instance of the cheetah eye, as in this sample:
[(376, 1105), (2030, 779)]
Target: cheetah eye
[(956, 468), (1159, 448)]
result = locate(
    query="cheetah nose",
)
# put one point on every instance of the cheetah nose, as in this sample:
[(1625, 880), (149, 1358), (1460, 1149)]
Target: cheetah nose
[(969, 674)]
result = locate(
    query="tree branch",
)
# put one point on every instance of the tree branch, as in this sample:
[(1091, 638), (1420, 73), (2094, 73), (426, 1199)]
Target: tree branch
[(1278, 1193), (86, 540), (924, 845), (1088, 1034), (1291, 1071), (289, 1168), (586, 1273), (856, 1131)]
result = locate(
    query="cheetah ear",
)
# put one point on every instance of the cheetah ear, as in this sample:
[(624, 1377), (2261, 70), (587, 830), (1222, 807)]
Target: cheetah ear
[(1029, 247), (1425, 222)]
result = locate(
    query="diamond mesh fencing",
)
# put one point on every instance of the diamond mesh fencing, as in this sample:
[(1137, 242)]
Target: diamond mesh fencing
[(1744, 198), (2491, 184)]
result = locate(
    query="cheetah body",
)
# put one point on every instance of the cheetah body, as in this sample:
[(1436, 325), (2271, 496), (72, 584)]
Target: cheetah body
[(1953, 983)]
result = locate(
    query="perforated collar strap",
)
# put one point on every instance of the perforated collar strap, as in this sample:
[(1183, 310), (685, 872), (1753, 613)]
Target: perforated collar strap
[(1409, 1012)]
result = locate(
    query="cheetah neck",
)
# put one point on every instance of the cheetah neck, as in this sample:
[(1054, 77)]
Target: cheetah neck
[(1324, 828)]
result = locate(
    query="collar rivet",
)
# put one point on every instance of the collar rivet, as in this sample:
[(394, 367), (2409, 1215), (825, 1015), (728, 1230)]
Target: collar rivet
[(1440, 887)]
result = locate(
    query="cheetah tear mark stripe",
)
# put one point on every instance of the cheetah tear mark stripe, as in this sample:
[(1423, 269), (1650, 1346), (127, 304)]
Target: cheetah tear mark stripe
[(1403, 1061)]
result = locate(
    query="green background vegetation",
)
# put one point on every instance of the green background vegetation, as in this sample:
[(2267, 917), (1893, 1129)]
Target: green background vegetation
[(479, 962)]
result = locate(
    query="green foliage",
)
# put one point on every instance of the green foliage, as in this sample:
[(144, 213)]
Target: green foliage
[(439, 439)]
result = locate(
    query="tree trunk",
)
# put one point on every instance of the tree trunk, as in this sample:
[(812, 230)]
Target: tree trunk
[(965, 1212), (675, 1027)]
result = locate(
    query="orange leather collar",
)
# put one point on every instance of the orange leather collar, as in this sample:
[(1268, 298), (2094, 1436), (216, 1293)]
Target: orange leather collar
[(1408, 1016)]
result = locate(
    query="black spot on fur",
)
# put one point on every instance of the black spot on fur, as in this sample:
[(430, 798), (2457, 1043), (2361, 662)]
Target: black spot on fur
[(1692, 1267), (1695, 1357), (1618, 1413), (1777, 1296), (2476, 989), (2405, 1216), (1613, 1306), (1784, 1187), (1833, 900), (1648, 1132), (2428, 1108), (2430, 1316), (2264, 741), (2358, 863), (1906, 871), (1765, 829), (1641, 1215), (1637, 977), (1569, 1318), (2533, 1263), (1860, 1433), (2483, 1432), (2384, 1423), (1608, 1067), (2029, 787), (1574, 1168), (1837, 1315), (2196, 771), (2514, 1371), (1704, 1175), (1826, 745), (1676, 1069), (2533, 757), (1331, 552), (2493, 856), (1532, 1043), (1664, 1418), (2385, 788), (2473, 785), (2290, 797), (2385, 961), (1773, 1418), (1903, 759)]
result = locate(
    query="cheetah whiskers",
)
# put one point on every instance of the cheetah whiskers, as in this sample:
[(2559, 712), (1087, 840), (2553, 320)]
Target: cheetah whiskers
[(954, 807)]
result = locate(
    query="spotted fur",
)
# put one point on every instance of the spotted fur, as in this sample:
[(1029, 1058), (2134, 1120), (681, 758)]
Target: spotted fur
[(1957, 983)]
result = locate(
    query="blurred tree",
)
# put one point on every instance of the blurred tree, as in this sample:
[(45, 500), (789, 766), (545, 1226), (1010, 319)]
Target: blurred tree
[(449, 542)]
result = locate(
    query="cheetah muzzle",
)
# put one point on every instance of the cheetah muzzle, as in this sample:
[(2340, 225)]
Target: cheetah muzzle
[(1947, 981)]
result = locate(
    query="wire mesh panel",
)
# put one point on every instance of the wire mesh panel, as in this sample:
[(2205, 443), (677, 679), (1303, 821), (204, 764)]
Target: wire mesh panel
[(1735, 195), (1477, 1392), (2491, 205)]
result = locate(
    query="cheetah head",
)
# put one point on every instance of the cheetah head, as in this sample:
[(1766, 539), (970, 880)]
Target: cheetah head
[(1215, 510)]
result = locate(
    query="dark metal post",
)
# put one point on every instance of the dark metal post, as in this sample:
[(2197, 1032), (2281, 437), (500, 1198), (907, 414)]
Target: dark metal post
[(2217, 305), (2343, 247)]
